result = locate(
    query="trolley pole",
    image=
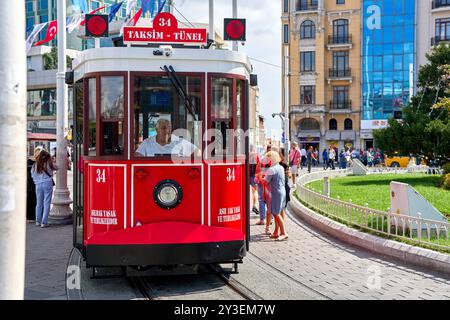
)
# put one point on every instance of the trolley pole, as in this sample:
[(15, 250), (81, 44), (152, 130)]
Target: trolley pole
[(235, 14), (13, 139), (212, 36), (61, 212)]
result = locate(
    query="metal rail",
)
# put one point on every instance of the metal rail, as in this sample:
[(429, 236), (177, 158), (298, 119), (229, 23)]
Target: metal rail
[(432, 233)]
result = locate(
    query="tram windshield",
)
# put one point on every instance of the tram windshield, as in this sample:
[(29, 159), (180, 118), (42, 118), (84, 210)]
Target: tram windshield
[(164, 124)]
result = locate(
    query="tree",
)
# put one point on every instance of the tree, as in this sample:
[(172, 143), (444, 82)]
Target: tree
[(424, 129), (51, 60)]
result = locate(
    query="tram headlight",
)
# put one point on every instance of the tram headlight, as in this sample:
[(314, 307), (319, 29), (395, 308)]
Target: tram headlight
[(168, 194)]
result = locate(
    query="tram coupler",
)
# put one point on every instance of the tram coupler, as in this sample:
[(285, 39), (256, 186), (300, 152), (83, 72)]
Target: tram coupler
[(108, 272)]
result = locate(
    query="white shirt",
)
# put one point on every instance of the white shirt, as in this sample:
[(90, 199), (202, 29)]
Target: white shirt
[(177, 146), (303, 152)]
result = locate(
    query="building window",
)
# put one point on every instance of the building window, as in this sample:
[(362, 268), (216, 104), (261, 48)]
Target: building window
[(340, 1), (29, 6), (309, 124), (307, 30), (307, 61), (340, 63), (286, 6), (340, 97), (443, 29), (286, 33), (43, 4), (41, 103), (332, 125), (348, 124), (307, 95), (340, 31), (30, 23), (304, 5), (94, 5)]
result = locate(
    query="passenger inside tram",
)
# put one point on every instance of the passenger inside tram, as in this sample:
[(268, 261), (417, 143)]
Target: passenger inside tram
[(165, 143)]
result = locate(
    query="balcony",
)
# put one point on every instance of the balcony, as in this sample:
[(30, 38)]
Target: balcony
[(440, 4), (340, 74), (308, 109), (436, 40), (340, 42), (341, 106), (304, 7)]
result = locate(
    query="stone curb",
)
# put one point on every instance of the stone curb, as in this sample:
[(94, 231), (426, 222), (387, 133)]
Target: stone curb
[(408, 254)]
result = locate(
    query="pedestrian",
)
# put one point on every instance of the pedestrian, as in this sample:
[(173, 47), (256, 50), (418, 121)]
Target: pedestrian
[(303, 162), (309, 158), (287, 176), (275, 179), (42, 173), (254, 163), (31, 188), (294, 161), (262, 190), (325, 159), (342, 160), (331, 157)]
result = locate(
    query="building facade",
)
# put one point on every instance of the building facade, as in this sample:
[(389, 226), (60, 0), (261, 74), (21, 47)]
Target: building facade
[(434, 25), (389, 64), (324, 48), (353, 64)]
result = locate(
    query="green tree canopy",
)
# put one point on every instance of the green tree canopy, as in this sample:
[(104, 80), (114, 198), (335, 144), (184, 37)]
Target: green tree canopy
[(424, 128)]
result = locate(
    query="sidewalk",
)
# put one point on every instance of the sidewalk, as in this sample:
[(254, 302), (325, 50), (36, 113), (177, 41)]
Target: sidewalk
[(47, 253)]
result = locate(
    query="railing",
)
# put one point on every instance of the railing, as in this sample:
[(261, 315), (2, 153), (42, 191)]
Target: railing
[(340, 73), (339, 105), (306, 7), (342, 39), (417, 230), (436, 40), (436, 4)]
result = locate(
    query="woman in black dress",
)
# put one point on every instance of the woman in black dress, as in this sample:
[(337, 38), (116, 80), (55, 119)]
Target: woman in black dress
[(31, 188)]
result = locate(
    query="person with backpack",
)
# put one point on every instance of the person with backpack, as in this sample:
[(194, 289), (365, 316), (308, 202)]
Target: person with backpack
[(42, 174)]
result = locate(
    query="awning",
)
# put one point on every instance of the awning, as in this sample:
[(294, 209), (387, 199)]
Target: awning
[(41, 136)]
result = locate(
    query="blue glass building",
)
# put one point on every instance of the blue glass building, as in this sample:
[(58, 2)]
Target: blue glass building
[(388, 53)]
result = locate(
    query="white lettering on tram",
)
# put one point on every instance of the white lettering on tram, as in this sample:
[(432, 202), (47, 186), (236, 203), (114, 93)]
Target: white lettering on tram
[(145, 35), (103, 217)]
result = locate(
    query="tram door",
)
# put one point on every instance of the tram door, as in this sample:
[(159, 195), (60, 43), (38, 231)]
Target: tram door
[(78, 174)]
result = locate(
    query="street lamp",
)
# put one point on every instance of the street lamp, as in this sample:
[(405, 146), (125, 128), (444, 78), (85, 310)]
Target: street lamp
[(285, 127)]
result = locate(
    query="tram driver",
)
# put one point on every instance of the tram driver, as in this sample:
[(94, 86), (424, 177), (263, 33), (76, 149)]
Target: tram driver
[(165, 143)]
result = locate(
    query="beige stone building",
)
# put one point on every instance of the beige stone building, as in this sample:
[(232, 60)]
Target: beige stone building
[(434, 25), (324, 48)]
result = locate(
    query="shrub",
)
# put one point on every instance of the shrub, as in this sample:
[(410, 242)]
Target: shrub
[(445, 182), (446, 168)]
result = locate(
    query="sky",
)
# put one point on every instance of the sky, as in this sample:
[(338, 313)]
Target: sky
[(263, 43)]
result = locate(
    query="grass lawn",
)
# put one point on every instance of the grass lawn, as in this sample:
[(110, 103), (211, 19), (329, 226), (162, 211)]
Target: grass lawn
[(374, 189)]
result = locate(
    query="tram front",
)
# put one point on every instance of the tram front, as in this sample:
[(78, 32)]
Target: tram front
[(161, 156)]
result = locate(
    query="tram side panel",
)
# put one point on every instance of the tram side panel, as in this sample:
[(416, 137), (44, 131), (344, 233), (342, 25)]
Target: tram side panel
[(227, 202), (106, 207)]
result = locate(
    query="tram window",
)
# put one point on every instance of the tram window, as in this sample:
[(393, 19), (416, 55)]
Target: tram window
[(240, 103), (92, 126), (112, 115), (163, 125), (221, 115)]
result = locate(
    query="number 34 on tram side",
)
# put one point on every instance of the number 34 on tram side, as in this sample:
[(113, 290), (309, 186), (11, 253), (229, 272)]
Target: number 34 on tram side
[(161, 177)]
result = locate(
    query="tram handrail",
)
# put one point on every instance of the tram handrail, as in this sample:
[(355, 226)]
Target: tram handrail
[(432, 233)]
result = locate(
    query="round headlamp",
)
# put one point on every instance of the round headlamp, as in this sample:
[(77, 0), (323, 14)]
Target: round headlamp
[(168, 194)]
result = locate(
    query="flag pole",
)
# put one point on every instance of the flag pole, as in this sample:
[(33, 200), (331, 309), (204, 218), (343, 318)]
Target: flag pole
[(13, 168), (61, 212)]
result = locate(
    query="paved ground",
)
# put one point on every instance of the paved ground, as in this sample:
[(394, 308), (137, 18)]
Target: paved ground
[(333, 268), (47, 253), (341, 271)]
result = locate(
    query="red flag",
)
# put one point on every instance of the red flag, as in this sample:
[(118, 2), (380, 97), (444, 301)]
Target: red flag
[(135, 19), (51, 33), (92, 12)]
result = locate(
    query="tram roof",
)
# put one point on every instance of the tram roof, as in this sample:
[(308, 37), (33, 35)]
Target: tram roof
[(143, 60)]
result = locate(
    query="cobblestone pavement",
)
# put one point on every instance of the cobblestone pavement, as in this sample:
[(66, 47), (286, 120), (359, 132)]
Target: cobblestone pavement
[(341, 271), (47, 253)]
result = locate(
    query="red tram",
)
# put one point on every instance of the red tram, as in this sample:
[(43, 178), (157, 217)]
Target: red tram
[(138, 202)]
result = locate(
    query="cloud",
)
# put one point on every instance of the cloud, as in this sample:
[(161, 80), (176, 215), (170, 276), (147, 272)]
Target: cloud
[(263, 42)]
